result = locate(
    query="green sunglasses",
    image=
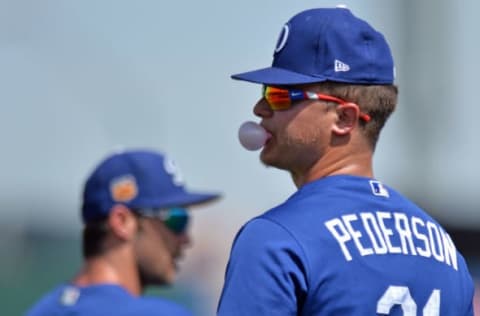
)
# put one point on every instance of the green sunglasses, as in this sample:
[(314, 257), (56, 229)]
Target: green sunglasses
[(175, 218)]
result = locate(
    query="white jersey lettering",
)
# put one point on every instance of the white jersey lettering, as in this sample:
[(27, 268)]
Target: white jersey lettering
[(382, 233)]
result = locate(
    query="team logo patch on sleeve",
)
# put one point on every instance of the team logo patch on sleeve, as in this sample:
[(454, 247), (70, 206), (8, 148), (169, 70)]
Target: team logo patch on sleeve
[(378, 189)]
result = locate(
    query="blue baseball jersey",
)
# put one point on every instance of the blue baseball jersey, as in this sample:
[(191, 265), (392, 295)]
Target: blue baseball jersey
[(101, 300), (345, 245)]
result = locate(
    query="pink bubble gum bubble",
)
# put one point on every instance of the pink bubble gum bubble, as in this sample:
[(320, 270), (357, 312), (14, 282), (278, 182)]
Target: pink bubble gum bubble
[(252, 136)]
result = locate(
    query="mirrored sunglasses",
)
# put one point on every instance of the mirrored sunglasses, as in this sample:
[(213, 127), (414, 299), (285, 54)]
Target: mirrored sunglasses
[(280, 99), (175, 218)]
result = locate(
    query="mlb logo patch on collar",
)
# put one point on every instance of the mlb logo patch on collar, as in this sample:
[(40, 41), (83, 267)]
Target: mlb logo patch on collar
[(70, 296), (378, 189)]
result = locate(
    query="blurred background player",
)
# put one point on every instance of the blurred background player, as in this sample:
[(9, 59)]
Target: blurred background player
[(135, 231), (344, 243)]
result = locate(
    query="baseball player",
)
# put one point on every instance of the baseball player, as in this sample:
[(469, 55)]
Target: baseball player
[(345, 243), (136, 221)]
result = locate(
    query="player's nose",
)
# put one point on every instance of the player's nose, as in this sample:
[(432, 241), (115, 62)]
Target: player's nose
[(185, 240), (262, 109)]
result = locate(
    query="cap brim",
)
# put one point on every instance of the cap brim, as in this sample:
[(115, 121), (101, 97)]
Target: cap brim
[(277, 76), (179, 199), (190, 199)]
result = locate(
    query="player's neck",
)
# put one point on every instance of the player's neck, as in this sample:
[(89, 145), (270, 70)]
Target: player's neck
[(104, 269), (358, 163)]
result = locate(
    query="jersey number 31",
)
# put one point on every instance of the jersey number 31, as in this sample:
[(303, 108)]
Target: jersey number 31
[(400, 295)]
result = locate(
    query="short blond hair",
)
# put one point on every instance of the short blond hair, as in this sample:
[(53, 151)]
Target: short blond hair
[(378, 101)]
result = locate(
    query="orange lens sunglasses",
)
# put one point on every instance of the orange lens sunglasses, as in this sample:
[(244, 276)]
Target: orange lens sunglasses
[(280, 99)]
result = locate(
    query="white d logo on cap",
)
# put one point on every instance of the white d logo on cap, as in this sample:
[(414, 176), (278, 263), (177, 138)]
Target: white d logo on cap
[(282, 39), (172, 169)]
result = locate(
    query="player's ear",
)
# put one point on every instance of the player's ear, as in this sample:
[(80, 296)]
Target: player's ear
[(122, 222), (347, 118)]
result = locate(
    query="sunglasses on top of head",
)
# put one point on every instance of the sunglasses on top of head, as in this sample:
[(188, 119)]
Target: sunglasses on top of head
[(174, 218), (281, 99)]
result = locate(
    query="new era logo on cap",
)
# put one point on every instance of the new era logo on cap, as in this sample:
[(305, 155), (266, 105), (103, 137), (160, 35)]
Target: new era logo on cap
[(340, 66), (327, 44)]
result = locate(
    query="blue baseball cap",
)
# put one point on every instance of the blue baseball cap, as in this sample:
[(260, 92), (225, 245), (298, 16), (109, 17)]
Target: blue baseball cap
[(327, 44), (136, 179)]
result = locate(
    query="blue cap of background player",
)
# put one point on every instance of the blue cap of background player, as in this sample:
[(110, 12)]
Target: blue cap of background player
[(327, 44), (137, 179)]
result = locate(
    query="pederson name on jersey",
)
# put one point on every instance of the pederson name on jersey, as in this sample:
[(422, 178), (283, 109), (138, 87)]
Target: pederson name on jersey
[(380, 233)]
